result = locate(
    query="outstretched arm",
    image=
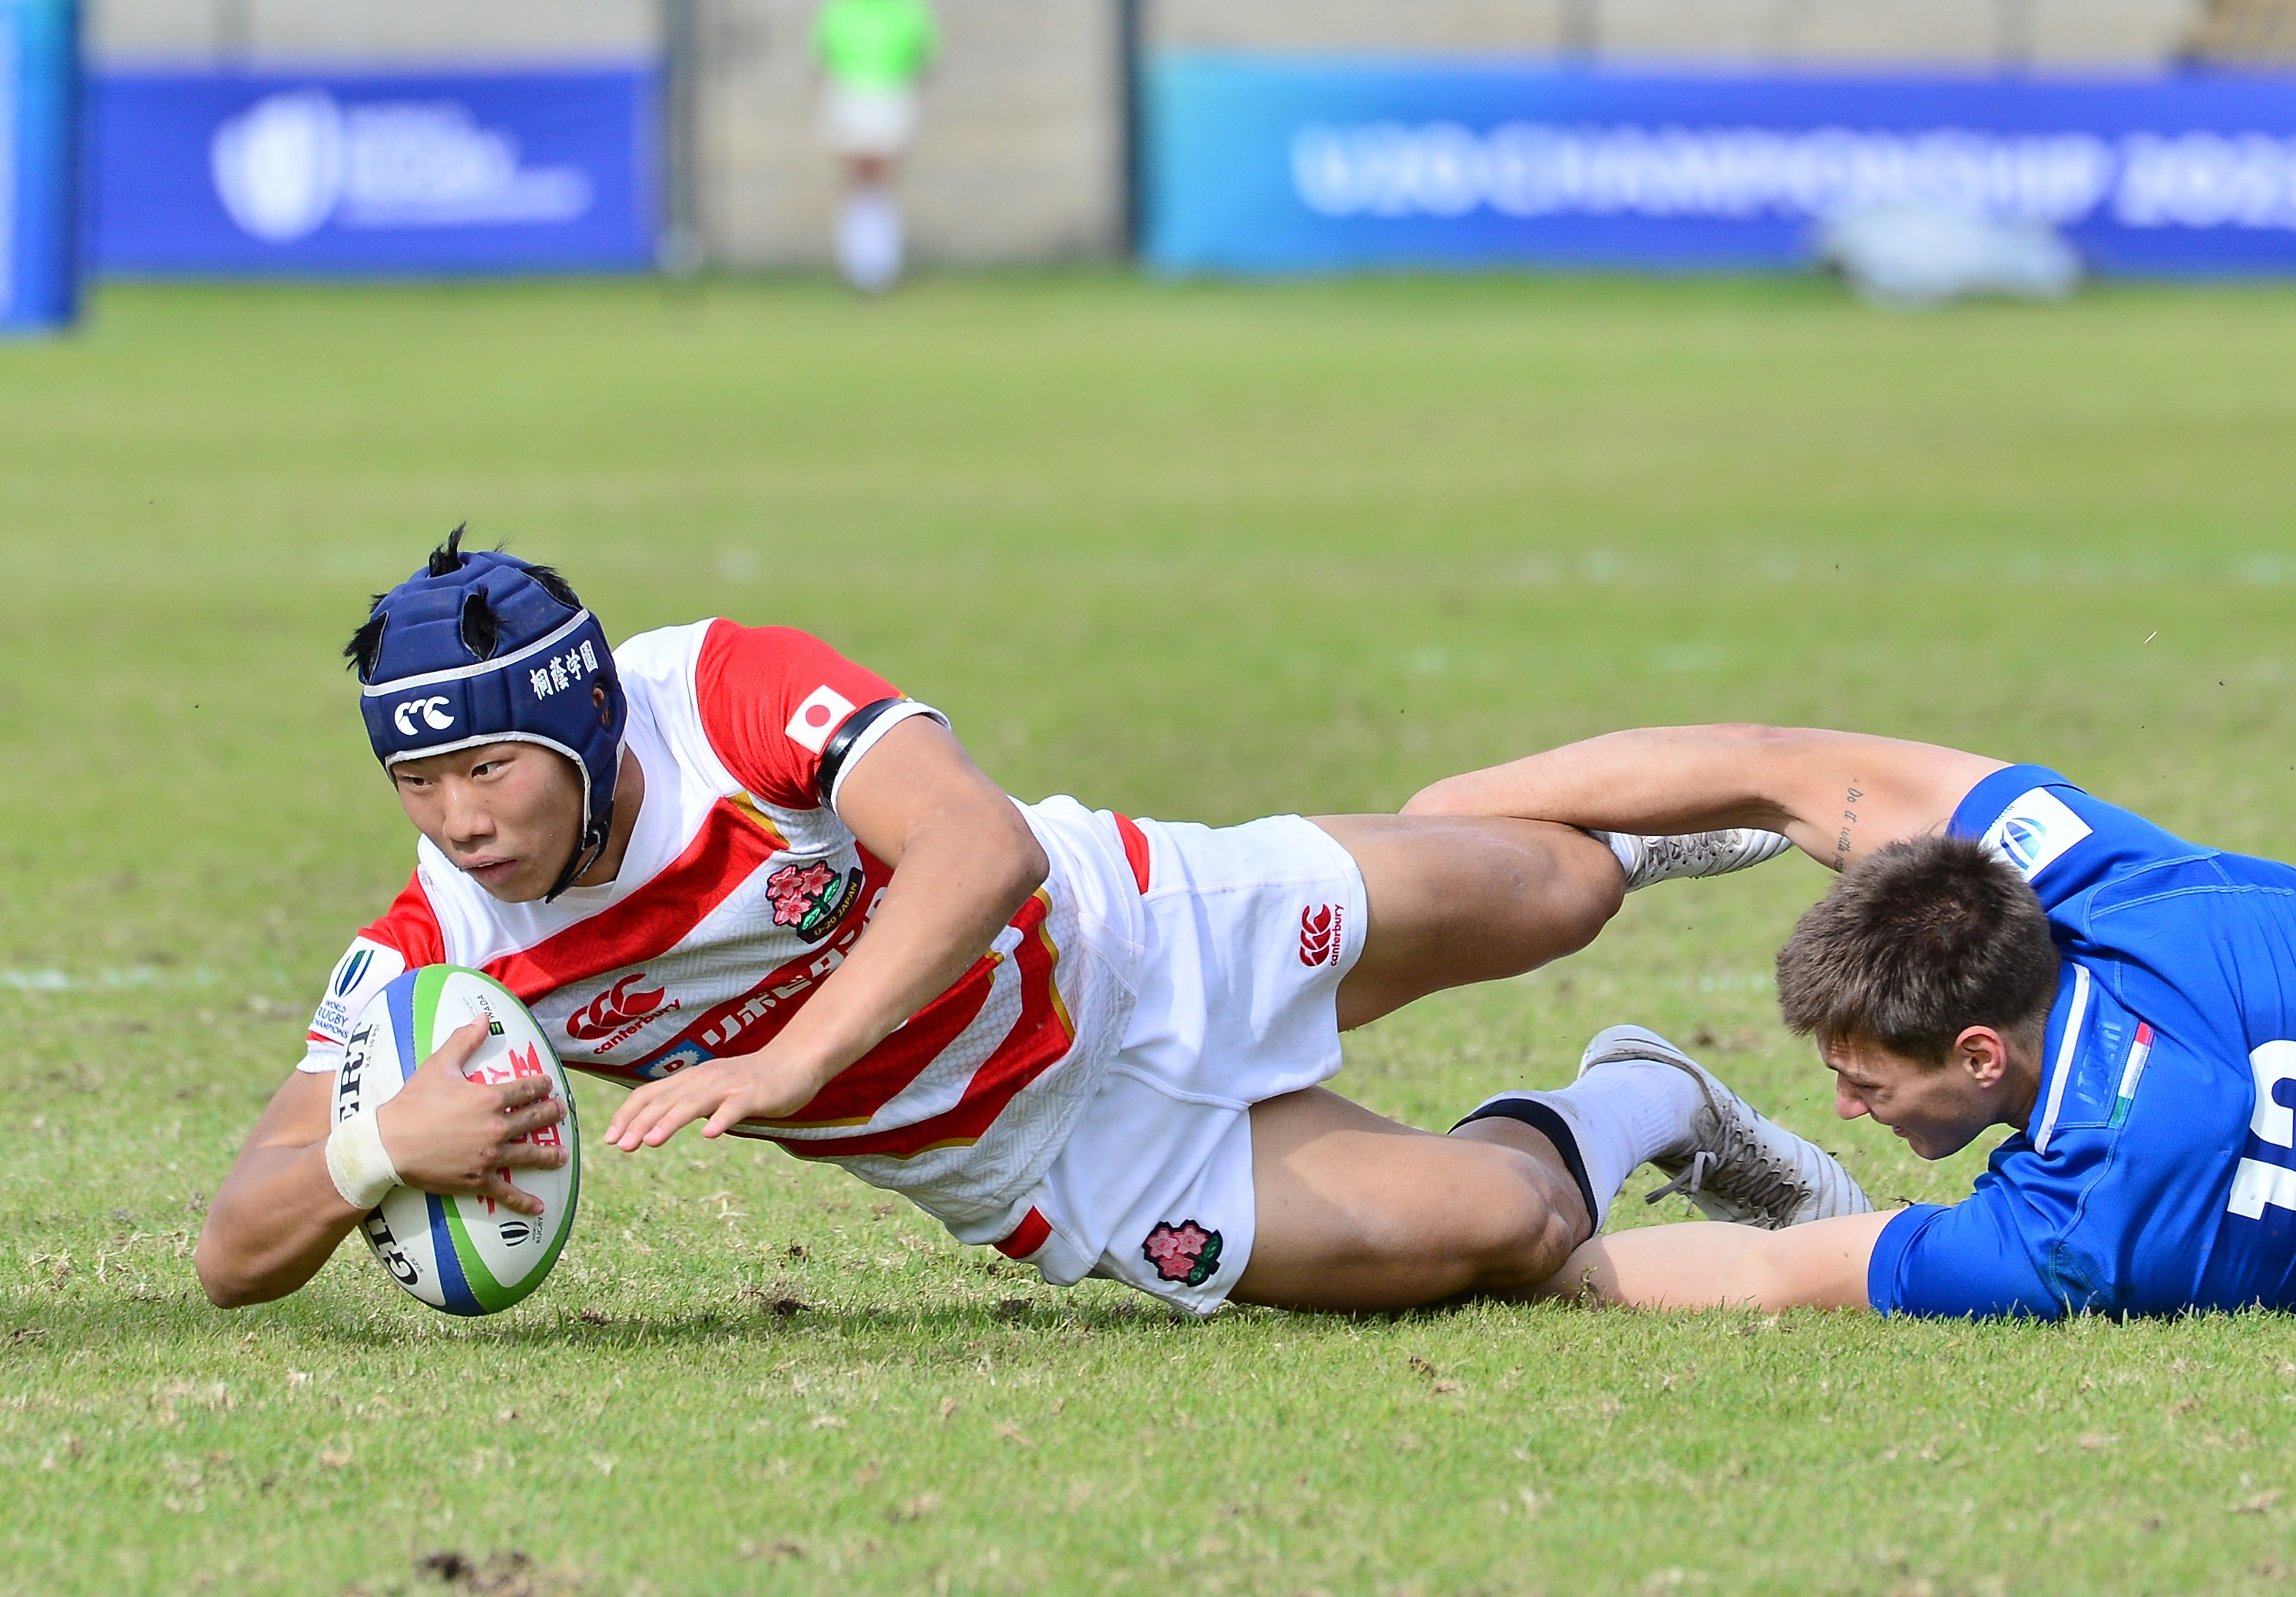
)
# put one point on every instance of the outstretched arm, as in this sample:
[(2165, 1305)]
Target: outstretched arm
[(278, 1216), (964, 862), (1839, 795), (1700, 1265)]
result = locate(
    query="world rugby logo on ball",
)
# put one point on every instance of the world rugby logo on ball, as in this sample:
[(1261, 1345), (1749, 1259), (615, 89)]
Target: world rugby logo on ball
[(463, 1255)]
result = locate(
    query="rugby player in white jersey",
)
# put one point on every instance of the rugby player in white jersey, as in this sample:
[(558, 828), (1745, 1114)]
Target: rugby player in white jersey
[(751, 879)]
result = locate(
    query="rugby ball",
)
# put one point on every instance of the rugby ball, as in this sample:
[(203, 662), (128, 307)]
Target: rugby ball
[(467, 1255)]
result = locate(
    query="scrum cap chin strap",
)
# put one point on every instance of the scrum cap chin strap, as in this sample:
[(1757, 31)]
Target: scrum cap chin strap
[(588, 850)]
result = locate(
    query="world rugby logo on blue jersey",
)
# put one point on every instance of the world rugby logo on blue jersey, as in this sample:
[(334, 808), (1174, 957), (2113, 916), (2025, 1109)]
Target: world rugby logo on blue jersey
[(2022, 842), (2034, 832)]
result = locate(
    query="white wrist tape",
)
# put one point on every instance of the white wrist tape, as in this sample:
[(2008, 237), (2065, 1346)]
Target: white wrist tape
[(359, 1161)]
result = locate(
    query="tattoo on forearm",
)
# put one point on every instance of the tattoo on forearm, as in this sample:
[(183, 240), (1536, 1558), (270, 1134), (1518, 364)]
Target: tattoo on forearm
[(1849, 819)]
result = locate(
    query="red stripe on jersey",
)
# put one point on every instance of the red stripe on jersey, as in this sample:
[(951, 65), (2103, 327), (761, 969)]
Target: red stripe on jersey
[(856, 1093), (748, 1020), (1136, 848), (1039, 1039), (410, 927), (749, 683), (1032, 1232), (651, 922)]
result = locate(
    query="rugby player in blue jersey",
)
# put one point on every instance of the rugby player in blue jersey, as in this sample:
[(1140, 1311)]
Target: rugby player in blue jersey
[(2001, 949)]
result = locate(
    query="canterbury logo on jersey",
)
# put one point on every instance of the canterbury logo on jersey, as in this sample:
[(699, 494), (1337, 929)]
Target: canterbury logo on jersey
[(1320, 926), (428, 709), (619, 1006)]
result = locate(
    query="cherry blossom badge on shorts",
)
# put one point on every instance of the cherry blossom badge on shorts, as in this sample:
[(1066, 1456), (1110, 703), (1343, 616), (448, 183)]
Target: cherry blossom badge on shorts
[(1186, 1253)]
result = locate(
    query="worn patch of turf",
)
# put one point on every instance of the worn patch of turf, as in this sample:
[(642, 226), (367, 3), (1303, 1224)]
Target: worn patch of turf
[(1205, 552)]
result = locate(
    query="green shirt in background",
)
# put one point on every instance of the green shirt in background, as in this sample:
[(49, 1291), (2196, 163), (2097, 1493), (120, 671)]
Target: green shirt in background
[(875, 43)]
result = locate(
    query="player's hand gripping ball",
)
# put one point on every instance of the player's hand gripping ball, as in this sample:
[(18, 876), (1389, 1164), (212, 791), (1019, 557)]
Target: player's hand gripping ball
[(464, 1255)]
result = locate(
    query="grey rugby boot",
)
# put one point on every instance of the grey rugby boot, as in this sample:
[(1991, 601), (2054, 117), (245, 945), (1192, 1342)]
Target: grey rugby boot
[(1694, 853), (1736, 1164)]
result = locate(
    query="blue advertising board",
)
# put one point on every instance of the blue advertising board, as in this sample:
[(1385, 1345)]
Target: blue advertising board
[(1282, 164), (39, 83), (339, 173)]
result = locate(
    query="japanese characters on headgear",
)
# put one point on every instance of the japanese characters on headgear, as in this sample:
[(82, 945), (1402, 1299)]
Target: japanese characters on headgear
[(484, 648)]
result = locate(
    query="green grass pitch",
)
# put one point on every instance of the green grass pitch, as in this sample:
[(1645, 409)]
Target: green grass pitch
[(1200, 552)]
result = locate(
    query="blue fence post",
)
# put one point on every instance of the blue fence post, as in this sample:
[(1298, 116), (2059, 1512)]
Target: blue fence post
[(39, 165)]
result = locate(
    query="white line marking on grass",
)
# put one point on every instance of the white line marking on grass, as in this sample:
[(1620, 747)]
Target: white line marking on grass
[(133, 976)]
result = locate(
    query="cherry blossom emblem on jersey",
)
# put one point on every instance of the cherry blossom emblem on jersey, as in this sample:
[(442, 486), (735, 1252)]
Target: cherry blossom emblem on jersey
[(1186, 1253), (813, 897)]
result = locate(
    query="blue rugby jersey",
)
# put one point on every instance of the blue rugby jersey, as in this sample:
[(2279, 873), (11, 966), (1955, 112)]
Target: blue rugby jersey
[(2157, 1171)]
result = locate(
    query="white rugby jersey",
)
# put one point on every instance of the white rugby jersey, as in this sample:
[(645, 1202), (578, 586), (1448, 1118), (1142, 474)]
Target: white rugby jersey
[(742, 891)]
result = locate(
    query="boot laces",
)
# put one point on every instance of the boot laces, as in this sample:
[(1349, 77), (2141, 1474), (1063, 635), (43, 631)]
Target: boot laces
[(1690, 1182), (1694, 852), (1750, 1176)]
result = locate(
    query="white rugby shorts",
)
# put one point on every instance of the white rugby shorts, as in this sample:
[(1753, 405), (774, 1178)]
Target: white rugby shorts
[(867, 122), (1249, 930)]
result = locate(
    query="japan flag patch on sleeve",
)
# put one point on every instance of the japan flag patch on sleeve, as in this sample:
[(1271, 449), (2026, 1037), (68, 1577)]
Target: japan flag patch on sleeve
[(2034, 832), (825, 710)]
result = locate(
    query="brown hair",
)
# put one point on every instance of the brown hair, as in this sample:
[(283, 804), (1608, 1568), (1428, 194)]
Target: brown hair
[(1916, 943)]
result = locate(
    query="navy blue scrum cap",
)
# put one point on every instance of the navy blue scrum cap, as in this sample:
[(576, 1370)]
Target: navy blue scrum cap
[(480, 647)]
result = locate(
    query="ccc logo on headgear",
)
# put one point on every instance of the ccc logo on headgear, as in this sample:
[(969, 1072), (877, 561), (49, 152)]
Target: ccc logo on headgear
[(428, 709)]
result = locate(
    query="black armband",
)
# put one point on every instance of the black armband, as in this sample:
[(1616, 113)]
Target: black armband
[(834, 752)]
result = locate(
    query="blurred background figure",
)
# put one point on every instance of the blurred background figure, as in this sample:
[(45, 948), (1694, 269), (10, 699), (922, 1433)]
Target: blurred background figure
[(872, 54)]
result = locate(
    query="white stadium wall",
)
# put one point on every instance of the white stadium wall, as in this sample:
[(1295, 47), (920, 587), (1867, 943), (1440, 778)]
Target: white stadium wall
[(1958, 32), (336, 31), (1019, 157)]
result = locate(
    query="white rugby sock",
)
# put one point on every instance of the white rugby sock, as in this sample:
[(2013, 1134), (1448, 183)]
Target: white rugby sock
[(1623, 1114), (869, 239)]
